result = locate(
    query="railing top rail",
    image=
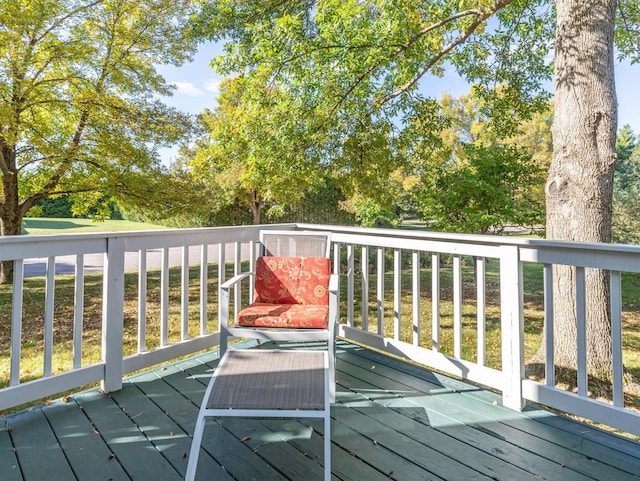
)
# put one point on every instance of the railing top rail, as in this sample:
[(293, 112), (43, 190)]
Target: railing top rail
[(7, 241), (543, 244), (28, 246), (38, 238), (598, 255)]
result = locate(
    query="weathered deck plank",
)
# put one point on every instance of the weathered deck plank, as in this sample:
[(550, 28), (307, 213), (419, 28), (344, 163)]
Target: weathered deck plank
[(411, 422), (37, 448), (9, 468), (557, 453), (416, 415), (129, 445), (392, 420), (171, 424), (80, 442)]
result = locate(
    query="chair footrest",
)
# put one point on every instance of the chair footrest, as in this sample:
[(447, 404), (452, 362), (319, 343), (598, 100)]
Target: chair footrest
[(267, 383), (270, 379)]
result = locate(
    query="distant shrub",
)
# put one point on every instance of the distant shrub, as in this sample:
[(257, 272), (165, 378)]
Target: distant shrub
[(58, 207)]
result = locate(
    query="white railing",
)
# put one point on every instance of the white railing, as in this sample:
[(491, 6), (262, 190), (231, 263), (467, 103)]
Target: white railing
[(185, 309), (402, 291), (399, 320)]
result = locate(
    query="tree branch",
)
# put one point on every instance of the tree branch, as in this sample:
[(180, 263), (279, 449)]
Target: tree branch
[(61, 20), (481, 16)]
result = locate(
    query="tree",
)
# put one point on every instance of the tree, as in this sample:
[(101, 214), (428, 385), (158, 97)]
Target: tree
[(485, 193), (363, 166), (626, 141), (473, 181), (367, 58), (626, 189), (259, 151), (253, 151), (580, 183), (79, 108)]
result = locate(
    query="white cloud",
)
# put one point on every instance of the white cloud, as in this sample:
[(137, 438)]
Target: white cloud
[(187, 88)]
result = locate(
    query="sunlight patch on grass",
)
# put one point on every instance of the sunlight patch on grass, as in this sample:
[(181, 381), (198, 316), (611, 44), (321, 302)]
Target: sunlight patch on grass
[(46, 226)]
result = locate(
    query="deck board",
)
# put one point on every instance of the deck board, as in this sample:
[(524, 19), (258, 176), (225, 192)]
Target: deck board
[(80, 441), (137, 455), (414, 415), (474, 439), (411, 422), (9, 466), (566, 453), (37, 448), (174, 422), (392, 420)]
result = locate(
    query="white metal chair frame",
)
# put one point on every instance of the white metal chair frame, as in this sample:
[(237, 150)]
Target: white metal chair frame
[(309, 389), (283, 334)]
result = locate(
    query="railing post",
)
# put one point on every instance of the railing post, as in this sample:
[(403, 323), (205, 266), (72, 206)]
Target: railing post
[(365, 288), (222, 265), (397, 292), (511, 307), (16, 321), (113, 314)]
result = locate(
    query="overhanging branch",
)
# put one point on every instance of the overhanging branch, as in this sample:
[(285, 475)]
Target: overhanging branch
[(481, 16)]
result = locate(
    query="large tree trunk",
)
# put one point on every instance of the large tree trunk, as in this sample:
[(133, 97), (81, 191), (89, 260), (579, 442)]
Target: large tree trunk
[(580, 185), (6, 266)]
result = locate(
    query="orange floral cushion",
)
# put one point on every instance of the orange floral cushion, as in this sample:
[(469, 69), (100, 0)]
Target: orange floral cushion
[(292, 280), (289, 292), (284, 316)]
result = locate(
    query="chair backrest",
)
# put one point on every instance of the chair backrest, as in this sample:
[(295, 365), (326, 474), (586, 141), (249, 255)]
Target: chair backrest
[(292, 280), (295, 243)]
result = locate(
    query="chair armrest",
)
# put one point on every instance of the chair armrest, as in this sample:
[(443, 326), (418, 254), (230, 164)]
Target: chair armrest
[(334, 284), (223, 301), (234, 280)]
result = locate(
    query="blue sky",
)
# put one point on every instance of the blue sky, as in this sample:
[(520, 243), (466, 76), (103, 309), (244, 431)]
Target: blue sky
[(197, 88)]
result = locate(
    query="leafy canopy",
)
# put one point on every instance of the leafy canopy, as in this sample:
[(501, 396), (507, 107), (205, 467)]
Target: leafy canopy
[(467, 180), (79, 98), (254, 151), (351, 72), (350, 65), (356, 58)]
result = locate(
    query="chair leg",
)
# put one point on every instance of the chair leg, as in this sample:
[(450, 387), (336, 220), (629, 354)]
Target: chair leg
[(224, 341), (192, 465), (331, 347), (327, 448)]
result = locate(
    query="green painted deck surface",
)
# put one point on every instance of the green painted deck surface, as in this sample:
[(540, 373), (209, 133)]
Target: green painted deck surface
[(392, 420)]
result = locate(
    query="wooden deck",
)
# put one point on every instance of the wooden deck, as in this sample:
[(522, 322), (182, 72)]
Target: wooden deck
[(392, 420)]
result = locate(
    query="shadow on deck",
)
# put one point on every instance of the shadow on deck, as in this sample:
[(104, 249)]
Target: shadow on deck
[(392, 420)]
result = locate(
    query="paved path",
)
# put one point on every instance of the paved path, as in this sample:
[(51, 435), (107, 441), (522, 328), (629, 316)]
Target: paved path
[(95, 262)]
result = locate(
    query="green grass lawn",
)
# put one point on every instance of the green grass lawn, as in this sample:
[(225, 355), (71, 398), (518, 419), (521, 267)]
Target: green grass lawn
[(41, 225)]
